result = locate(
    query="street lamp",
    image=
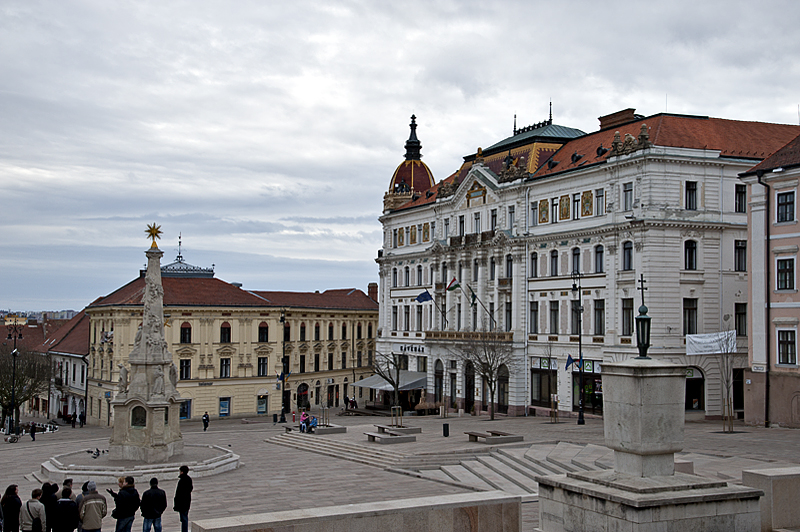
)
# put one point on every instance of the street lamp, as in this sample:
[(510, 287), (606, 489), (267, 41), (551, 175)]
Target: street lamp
[(576, 287), (642, 326), (14, 333), (284, 369)]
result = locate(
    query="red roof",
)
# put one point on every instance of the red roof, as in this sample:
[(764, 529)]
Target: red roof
[(786, 157), (72, 338), (184, 291), (35, 332), (413, 173), (343, 298), (733, 138)]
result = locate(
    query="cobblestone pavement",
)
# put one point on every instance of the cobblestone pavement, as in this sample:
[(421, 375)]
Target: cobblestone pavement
[(279, 478)]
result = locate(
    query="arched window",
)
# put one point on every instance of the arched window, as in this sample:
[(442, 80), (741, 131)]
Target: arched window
[(369, 330), (316, 332), (419, 275), (225, 333), (492, 268), (444, 273), (330, 331), (394, 277), (138, 417), (598, 259), (627, 255), (576, 260), (358, 331), (186, 332), (263, 332), (344, 331), (690, 255), (553, 263), (509, 266), (302, 332), (287, 332), (407, 276), (475, 270), (534, 264)]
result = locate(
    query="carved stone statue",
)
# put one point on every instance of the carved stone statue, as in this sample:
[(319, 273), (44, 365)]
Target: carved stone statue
[(173, 375), (123, 379), (158, 381)]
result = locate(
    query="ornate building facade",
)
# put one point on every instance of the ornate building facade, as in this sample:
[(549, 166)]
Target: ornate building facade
[(227, 344), (515, 225)]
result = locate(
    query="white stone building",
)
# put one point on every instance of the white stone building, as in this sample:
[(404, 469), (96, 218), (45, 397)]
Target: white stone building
[(654, 197)]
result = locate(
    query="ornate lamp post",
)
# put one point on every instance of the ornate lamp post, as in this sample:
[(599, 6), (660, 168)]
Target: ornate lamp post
[(14, 326), (642, 325), (284, 368), (576, 287)]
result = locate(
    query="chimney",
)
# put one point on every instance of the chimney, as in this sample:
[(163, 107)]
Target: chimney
[(372, 291), (617, 119)]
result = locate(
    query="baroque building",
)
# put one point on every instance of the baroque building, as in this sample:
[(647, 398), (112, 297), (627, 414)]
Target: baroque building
[(227, 344), (524, 223)]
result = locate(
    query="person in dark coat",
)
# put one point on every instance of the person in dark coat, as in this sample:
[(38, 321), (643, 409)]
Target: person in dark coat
[(11, 504), (49, 501), (183, 497), (74, 418), (154, 502), (127, 502), (205, 421), (66, 513), (33, 431)]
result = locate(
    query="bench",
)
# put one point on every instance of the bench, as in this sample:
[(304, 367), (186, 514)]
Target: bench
[(493, 436), (403, 430), (390, 437)]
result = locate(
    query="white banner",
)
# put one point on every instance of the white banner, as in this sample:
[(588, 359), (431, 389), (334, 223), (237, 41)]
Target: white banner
[(711, 344)]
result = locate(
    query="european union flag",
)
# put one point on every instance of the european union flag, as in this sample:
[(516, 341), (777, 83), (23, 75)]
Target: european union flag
[(423, 297)]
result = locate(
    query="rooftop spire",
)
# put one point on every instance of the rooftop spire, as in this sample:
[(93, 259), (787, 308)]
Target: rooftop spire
[(413, 145), (515, 123), (551, 111)]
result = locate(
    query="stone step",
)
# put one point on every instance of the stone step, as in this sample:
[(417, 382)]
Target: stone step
[(537, 454), (563, 454), (342, 450), (509, 473), (520, 464), (464, 476), (436, 474), (492, 477), (593, 457)]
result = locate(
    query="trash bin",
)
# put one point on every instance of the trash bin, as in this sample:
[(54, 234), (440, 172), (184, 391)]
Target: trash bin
[(446, 429), (274, 418)]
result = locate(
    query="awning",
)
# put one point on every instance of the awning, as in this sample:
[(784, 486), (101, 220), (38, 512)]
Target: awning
[(409, 380)]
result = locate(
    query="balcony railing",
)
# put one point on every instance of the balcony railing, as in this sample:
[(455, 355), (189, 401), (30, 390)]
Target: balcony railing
[(495, 336)]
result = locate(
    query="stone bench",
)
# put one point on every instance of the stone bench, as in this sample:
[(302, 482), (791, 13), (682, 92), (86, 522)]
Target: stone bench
[(390, 437), (493, 436), (402, 430)]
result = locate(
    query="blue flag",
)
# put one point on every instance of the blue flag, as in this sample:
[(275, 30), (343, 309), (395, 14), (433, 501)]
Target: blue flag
[(423, 297), (570, 361)]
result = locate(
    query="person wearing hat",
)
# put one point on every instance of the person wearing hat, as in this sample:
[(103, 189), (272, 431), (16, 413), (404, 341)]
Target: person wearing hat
[(183, 497), (93, 508), (154, 502)]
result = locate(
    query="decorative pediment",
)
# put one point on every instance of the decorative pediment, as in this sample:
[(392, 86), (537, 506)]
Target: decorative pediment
[(226, 351), (186, 351), (500, 239), (263, 350), (345, 344), (436, 248), (303, 347), (332, 346)]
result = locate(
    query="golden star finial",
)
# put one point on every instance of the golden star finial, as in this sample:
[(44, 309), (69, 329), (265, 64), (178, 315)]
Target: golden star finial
[(154, 232)]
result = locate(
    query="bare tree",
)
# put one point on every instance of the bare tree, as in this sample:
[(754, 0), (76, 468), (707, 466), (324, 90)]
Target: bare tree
[(727, 358), (552, 380), (32, 379), (388, 367), (488, 352)]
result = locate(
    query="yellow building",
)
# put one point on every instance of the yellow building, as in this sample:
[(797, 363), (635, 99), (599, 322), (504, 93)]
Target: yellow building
[(227, 344)]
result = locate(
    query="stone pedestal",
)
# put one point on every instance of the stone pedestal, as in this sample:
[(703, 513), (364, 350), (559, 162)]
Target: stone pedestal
[(643, 407)]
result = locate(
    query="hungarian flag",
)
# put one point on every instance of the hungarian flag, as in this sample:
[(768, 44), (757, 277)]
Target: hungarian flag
[(453, 285), (472, 296)]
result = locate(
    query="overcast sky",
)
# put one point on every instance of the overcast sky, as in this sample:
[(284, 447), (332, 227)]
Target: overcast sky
[(267, 132)]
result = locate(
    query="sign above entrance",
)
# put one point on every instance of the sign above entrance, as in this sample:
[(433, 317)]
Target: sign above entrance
[(409, 348)]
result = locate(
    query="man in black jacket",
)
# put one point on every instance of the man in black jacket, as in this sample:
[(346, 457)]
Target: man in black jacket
[(127, 502), (183, 497), (154, 502)]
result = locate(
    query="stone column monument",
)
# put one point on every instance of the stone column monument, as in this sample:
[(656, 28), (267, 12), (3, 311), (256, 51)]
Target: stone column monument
[(147, 408)]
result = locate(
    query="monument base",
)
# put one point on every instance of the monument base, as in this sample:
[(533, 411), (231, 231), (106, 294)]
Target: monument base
[(145, 431), (612, 501)]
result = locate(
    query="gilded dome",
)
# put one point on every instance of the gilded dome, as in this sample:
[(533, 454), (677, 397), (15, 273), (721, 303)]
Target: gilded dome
[(412, 174)]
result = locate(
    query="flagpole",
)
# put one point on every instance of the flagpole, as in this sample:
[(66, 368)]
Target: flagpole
[(491, 327)]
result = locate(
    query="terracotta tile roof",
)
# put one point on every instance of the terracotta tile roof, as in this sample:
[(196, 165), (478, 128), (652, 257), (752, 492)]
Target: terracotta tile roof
[(72, 338), (343, 298), (178, 291), (35, 332), (733, 138), (786, 157)]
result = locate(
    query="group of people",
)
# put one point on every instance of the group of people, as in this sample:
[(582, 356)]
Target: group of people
[(350, 402), (51, 509), (307, 423)]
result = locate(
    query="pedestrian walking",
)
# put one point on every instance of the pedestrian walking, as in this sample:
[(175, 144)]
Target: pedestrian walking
[(183, 497), (126, 502), (82, 419), (33, 516), (33, 431), (205, 421), (66, 518), (92, 509), (154, 502), (11, 504), (74, 418)]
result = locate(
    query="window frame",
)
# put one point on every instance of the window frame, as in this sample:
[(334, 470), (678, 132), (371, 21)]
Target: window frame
[(690, 255), (690, 315), (690, 195), (627, 196), (785, 277), (599, 259), (786, 338), (554, 263), (740, 255), (740, 199), (627, 256), (784, 210), (627, 316)]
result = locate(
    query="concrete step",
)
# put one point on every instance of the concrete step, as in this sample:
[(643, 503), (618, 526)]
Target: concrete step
[(537, 455), (436, 474), (343, 450), (593, 457), (502, 468), (493, 478), (519, 464), (563, 454), (464, 476)]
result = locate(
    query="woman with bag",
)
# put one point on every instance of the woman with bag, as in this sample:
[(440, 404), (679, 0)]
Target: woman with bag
[(33, 517), (11, 504)]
